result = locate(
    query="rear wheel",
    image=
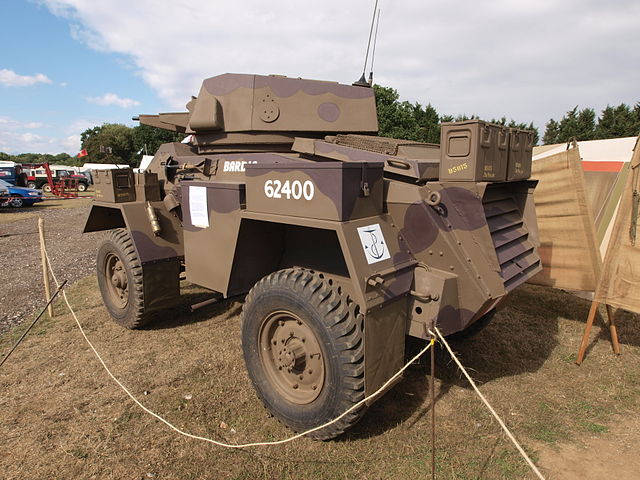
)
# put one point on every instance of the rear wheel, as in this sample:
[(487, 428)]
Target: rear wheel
[(31, 184), (304, 350), (82, 187), (46, 188), (120, 280)]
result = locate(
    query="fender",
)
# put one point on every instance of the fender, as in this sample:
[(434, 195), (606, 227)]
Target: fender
[(161, 255)]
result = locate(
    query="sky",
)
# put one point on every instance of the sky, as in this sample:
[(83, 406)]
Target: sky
[(69, 65)]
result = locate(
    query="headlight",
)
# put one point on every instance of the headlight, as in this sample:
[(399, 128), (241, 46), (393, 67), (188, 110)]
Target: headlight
[(33, 194)]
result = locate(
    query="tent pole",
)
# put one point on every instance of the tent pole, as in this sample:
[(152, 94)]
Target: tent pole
[(613, 331), (587, 331)]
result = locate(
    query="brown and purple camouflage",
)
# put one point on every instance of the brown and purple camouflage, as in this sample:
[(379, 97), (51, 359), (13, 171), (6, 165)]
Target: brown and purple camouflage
[(346, 241)]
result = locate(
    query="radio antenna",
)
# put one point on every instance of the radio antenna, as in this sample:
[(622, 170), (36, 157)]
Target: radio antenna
[(363, 80), (373, 53)]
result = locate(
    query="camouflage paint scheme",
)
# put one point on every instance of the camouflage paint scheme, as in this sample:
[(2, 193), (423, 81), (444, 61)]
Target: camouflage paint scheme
[(452, 249)]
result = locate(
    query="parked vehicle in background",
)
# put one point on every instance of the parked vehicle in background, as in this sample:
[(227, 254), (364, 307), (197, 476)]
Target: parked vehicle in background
[(4, 193), (18, 196), (13, 173), (37, 178)]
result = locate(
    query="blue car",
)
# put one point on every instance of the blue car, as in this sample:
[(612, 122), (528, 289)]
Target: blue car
[(19, 196)]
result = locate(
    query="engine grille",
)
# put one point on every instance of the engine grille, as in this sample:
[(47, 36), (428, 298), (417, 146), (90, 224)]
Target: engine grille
[(516, 254)]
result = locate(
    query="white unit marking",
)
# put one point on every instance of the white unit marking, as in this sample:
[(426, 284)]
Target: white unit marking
[(235, 166), (373, 243), (198, 209)]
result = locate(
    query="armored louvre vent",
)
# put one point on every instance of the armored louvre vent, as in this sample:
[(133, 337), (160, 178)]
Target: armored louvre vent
[(516, 254), (383, 145)]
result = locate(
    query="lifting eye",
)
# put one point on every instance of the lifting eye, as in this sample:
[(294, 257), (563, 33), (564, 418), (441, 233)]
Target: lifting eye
[(433, 199)]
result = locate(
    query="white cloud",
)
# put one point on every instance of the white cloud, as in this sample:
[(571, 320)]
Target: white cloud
[(9, 78), (529, 61), (12, 124), (109, 99), (15, 137)]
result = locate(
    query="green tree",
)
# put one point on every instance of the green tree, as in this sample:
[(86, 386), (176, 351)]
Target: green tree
[(408, 121), (578, 124), (620, 121), (551, 132), (147, 139), (110, 143)]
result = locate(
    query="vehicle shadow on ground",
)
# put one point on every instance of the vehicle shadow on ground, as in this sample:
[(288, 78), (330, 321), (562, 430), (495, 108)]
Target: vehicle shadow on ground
[(218, 312), (518, 340)]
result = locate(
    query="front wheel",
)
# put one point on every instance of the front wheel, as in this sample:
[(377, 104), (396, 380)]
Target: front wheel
[(82, 187), (16, 202), (46, 188), (120, 280), (31, 184), (304, 350)]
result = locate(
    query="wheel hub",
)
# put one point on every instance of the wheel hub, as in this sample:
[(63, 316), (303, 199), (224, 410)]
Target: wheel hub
[(117, 280), (292, 357)]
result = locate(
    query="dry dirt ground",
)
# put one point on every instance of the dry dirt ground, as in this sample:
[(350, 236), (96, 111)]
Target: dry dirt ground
[(71, 252), (63, 417)]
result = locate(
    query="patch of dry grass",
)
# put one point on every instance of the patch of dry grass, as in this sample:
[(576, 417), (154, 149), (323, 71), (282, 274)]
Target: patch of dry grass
[(64, 418)]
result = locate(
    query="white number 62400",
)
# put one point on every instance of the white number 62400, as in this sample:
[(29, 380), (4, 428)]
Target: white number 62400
[(289, 190)]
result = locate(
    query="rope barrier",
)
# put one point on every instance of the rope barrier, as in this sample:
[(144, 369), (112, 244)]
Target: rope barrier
[(493, 412), (299, 435), (210, 440)]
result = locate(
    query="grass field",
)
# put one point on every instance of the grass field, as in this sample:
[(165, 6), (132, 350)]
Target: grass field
[(63, 417)]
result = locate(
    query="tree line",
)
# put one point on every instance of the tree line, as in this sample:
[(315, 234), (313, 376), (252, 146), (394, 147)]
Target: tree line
[(613, 122), (117, 143), (412, 121)]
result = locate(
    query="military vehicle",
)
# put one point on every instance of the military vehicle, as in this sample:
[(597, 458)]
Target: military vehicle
[(343, 241)]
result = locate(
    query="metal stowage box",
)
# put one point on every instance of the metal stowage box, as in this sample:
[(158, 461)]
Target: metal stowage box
[(115, 185), (474, 151), (147, 187), (520, 153), (323, 190)]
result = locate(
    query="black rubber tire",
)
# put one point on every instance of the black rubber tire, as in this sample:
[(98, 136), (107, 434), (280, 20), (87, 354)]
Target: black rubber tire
[(335, 322), (31, 184), (46, 188), (16, 201), (117, 243), (82, 187)]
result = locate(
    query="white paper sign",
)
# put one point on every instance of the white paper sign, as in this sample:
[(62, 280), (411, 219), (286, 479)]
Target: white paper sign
[(373, 243), (198, 206)]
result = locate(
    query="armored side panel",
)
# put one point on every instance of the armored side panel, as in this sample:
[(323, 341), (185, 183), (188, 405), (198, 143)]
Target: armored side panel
[(115, 185), (211, 221), (474, 151), (520, 154), (160, 255)]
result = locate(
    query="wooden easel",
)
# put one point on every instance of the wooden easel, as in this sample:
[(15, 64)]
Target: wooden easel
[(587, 331)]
